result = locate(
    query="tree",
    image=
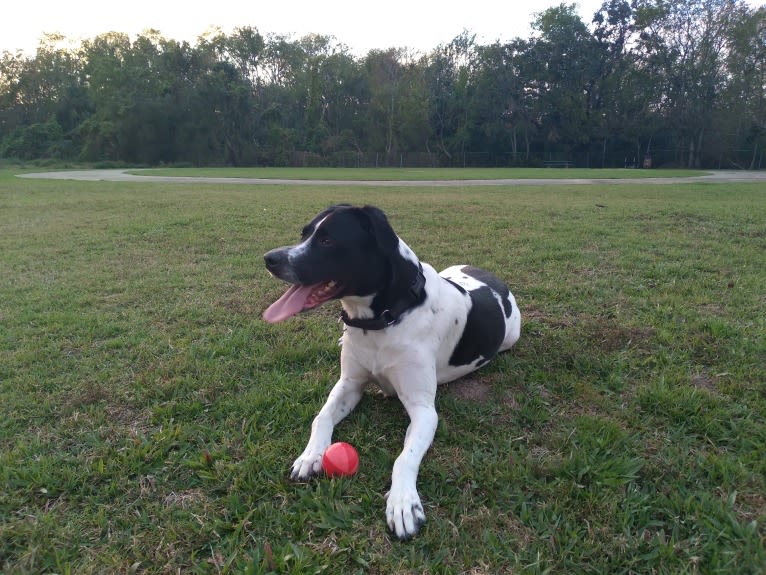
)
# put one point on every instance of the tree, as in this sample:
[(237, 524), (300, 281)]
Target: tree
[(499, 112), (384, 75), (743, 115), (340, 95), (684, 81), (42, 101), (684, 43), (109, 89), (565, 54), (448, 78), (625, 92), (245, 49)]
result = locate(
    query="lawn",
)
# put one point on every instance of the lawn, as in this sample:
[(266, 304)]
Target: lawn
[(149, 417)]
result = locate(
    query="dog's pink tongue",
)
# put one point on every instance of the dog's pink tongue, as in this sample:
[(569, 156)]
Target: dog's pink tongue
[(291, 303)]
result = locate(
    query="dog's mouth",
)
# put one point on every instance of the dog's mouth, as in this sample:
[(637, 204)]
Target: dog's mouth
[(300, 298)]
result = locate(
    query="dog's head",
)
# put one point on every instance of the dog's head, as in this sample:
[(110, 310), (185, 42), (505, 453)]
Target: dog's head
[(344, 251)]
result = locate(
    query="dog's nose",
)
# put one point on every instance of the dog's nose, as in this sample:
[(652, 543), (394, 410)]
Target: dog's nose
[(275, 258)]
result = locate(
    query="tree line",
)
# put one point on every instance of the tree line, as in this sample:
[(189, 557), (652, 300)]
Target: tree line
[(645, 82)]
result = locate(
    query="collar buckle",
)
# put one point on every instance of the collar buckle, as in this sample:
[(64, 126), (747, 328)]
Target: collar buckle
[(387, 318)]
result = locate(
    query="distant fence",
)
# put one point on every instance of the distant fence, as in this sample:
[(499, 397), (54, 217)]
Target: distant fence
[(401, 160), (592, 158)]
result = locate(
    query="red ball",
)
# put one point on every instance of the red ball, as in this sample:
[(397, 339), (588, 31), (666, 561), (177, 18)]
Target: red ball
[(340, 459)]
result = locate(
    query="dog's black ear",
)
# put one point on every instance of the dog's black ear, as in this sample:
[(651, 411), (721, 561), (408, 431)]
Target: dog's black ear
[(386, 238)]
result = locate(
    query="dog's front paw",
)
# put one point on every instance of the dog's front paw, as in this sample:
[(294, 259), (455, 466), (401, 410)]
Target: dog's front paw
[(404, 512), (306, 466)]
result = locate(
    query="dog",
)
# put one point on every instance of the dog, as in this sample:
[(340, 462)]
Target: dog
[(407, 329)]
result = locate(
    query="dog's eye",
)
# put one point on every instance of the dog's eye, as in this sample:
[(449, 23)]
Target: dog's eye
[(326, 241)]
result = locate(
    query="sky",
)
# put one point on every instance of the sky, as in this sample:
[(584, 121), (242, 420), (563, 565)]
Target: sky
[(421, 25)]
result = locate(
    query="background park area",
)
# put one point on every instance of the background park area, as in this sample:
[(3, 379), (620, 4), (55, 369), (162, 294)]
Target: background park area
[(639, 85), (609, 169)]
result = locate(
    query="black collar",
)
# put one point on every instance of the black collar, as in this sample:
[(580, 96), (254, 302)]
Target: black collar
[(393, 314)]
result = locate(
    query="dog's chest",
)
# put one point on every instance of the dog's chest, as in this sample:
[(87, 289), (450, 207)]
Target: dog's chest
[(377, 352), (377, 363), (384, 385), (421, 343)]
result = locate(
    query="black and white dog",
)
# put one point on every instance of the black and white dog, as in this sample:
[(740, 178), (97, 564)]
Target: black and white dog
[(407, 329)]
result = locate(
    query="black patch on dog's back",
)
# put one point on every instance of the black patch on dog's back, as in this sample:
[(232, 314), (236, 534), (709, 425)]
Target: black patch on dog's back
[(484, 329), (494, 282)]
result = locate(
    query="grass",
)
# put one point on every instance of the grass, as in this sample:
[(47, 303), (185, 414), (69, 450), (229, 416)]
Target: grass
[(417, 174), (148, 417)]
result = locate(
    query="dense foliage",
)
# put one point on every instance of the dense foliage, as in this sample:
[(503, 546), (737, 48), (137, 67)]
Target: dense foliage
[(646, 81)]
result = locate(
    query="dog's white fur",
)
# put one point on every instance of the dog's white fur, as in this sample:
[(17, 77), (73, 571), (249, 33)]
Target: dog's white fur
[(408, 360)]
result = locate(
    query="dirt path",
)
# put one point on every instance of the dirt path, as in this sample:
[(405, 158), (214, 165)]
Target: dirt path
[(123, 176)]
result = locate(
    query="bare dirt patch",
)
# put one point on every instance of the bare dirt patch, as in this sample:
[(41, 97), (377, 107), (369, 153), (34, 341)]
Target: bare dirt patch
[(184, 499), (603, 333), (470, 389), (704, 380)]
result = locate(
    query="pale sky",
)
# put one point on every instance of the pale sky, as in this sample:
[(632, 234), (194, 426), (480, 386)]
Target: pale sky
[(362, 25)]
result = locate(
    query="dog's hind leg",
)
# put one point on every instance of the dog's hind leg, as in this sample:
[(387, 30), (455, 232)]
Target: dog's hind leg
[(512, 326)]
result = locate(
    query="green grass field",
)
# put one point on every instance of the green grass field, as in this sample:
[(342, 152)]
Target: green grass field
[(148, 416)]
